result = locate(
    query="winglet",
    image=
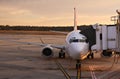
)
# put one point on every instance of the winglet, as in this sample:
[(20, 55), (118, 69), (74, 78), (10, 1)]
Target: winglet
[(75, 21)]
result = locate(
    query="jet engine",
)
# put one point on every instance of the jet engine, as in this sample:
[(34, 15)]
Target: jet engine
[(107, 53), (47, 51)]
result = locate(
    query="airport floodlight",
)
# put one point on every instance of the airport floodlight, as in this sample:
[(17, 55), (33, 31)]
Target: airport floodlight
[(114, 18)]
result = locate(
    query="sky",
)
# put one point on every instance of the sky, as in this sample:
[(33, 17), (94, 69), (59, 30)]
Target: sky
[(57, 12)]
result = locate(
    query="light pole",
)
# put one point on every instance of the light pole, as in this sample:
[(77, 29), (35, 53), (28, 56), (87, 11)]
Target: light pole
[(118, 31)]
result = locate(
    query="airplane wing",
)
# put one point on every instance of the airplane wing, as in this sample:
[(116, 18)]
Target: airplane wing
[(59, 32), (58, 46), (41, 44), (44, 45)]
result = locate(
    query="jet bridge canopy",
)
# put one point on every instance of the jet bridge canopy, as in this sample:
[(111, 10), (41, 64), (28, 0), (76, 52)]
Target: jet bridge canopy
[(90, 33)]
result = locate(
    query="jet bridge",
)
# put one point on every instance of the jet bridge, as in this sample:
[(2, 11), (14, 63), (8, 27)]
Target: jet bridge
[(102, 38), (106, 39)]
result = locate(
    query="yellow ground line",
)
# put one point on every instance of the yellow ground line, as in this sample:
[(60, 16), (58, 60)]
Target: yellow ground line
[(63, 70)]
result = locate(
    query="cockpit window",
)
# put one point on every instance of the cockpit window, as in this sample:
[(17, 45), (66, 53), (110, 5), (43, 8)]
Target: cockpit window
[(78, 40)]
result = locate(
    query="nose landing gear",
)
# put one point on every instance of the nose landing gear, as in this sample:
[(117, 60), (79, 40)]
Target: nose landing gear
[(78, 67)]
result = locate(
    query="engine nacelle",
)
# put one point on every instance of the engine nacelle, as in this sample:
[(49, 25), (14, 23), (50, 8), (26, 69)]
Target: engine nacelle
[(107, 53), (47, 51)]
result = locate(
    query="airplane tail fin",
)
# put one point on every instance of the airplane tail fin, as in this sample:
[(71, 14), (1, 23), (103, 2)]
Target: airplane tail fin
[(75, 21)]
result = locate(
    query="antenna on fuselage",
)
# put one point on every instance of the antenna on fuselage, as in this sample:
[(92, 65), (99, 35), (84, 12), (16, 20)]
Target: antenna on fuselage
[(75, 21)]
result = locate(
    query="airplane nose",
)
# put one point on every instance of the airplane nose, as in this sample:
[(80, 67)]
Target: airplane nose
[(78, 50), (79, 55), (76, 55)]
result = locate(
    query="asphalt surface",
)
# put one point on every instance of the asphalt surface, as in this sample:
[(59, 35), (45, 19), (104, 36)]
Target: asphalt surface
[(22, 61)]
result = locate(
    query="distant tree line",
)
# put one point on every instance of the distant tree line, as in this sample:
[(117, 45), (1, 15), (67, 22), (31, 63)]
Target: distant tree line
[(37, 28), (42, 28)]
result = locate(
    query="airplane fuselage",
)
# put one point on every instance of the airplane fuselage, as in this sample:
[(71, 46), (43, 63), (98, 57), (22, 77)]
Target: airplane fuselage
[(77, 45)]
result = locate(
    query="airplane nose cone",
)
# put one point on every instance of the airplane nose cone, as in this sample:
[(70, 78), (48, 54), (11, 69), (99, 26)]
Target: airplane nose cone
[(77, 47), (78, 50)]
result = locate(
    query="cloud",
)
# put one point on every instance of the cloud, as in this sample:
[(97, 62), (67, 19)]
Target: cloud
[(43, 7), (19, 12), (56, 12), (58, 7)]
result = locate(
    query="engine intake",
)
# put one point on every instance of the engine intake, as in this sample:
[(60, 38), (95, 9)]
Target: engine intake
[(47, 52)]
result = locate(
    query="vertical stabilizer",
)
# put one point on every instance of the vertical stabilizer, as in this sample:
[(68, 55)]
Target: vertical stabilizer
[(75, 21)]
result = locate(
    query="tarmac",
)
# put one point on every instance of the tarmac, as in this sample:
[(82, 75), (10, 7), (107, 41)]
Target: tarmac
[(23, 61)]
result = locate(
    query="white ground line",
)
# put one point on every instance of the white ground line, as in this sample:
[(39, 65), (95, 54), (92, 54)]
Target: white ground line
[(92, 72)]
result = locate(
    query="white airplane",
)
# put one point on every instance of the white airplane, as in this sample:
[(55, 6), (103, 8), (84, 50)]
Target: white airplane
[(76, 46)]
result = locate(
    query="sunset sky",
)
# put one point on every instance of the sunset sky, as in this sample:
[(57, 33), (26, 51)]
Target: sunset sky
[(56, 12)]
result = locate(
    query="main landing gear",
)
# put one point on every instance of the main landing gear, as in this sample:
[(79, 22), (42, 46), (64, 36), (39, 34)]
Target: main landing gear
[(90, 55), (78, 67), (61, 54)]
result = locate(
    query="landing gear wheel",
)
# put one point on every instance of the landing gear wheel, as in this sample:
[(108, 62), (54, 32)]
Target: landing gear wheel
[(91, 55), (61, 54), (78, 67)]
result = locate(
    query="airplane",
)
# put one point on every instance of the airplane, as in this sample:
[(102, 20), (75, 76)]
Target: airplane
[(76, 45)]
